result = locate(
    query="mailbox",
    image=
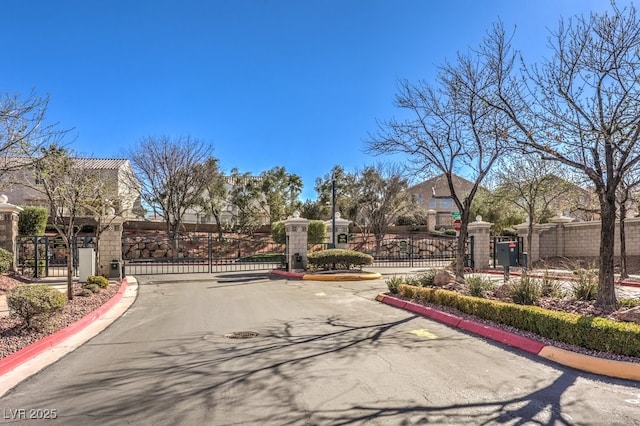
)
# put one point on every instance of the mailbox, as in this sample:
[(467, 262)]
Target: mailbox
[(507, 253)]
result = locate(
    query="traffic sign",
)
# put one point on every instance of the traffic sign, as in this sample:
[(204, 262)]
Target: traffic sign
[(457, 224), (455, 215)]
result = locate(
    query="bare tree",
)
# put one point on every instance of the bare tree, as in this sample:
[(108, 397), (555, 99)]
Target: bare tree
[(580, 107), (172, 174), (534, 185), (452, 129), (104, 206), (24, 130), (69, 189), (382, 197)]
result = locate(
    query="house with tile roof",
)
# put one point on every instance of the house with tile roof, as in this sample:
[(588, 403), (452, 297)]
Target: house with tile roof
[(434, 194), (21, 187)]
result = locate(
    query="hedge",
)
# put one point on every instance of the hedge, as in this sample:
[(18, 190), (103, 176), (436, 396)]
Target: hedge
[(600, 334), (338, 259), (6, 260)]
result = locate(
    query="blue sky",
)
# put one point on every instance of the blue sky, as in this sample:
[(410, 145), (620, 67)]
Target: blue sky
[(268, 83)]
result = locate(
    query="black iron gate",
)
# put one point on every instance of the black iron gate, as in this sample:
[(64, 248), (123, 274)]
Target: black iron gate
[(202, 252), (412, 250), (46, 256)]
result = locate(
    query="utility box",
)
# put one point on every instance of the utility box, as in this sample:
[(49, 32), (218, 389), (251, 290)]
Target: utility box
[(86, 263), (115, 270), (507, 253), (297, 261)]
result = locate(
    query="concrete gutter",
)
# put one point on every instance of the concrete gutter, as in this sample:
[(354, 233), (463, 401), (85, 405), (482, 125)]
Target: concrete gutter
[(591, 364)]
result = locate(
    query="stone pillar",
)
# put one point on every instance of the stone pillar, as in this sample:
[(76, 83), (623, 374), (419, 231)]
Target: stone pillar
[(296, 230), (110, 245), (431, 220), (480, 231), (560, 221), (342, 232), (533, 255), (9, 215)]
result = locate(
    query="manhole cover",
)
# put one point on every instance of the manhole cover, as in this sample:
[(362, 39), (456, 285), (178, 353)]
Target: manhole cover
[(241, 335)]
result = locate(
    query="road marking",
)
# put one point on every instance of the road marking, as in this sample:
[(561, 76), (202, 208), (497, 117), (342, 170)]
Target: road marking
[(423, 332), (320, 294)]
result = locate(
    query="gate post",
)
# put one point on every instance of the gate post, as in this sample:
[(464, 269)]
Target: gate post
[(480, 231), (9, 215), (296, 231), (110, 246), (342, 232)]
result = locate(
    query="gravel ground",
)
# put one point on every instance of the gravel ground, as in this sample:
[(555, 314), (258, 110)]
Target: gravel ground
[(13, 336)]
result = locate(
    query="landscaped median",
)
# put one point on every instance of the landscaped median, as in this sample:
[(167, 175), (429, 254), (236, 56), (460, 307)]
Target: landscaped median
[(329, 275), (606, 367), (12, 361)]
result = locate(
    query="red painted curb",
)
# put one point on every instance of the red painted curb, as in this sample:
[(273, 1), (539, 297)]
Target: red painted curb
[(12, 361), (528, 345), (443, 317), (502, 336), (398, 303), (286, 274)]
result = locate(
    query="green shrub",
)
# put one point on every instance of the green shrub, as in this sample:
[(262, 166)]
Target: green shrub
[(600, 334), (33, 220), (550, 287), (478, 285), (526, 291), (426, 278), (35, 304), (629, 303), (393, 283), (102, 282), (585, 287), (6, 260), (335, 259)]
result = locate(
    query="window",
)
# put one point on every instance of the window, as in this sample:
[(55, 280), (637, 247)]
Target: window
[(446, 203), (432, 203)]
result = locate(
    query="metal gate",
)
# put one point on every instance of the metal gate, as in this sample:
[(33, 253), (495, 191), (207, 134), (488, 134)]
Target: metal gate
[(46, 256), (204, 252), (412, 250)]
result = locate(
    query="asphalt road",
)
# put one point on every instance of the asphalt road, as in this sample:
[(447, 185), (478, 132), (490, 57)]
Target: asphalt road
[(325, 353)]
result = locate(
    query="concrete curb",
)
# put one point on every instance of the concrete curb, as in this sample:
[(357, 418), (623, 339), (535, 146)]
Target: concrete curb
[(357, 276), (591, 364), (25, 354)]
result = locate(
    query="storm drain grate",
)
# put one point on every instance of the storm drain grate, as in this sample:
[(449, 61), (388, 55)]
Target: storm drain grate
[(241, 335)]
